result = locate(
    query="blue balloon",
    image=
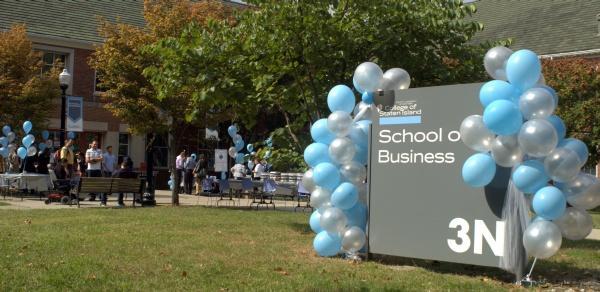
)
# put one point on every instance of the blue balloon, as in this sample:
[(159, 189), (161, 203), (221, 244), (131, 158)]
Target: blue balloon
[(552, 91), (232, 130), (4, 141), (320, 133), (530, 176), (503, 117), (367, 97), (315, 222), (496, 90), (6, 129), (239, 145), (27, 141), (249, 147), (357, 215), (45, 135), (22, 152), (71, 135), (4, 152), (549, 203), (27, 127), (358, 136), (239, 158), (357, 88), (364, 125), (362, 155), (42, 146), (577, 146), (341, 98), (326, 175), (223, 175), (344, 196), (559, 126), (479, 170), (523, 69), (316, 153), (170, 182), (327, 244)]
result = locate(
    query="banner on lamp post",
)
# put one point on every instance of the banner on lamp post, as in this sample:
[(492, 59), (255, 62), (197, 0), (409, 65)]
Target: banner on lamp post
[(74, 114)]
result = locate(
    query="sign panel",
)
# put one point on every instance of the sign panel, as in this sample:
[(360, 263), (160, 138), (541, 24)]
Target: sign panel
[(220, 160), (74, 113), (419, 206)]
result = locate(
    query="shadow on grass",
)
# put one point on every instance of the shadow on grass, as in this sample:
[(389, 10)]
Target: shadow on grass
[(300, 227), (582, 244)]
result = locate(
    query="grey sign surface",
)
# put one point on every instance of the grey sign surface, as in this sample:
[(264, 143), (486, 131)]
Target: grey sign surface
[(419, 206)]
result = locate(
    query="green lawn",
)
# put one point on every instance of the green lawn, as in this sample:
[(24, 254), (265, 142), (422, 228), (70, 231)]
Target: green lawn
[(596, 218), (197, 248), (4, 204)]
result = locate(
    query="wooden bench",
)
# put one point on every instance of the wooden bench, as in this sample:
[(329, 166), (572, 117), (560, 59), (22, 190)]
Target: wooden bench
[(110, 185)]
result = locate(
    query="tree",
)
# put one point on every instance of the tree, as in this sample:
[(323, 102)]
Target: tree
[(25, 92), (123, 57), (577, 82)]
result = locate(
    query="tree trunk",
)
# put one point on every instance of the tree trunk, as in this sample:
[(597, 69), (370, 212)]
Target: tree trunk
[(289, 128), (173, 152)]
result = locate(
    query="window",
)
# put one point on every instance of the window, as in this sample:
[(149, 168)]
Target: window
[(123, 146), (98, 83), (50, 58), (161, 151)]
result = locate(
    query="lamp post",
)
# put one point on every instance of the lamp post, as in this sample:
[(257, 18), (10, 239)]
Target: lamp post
[(64, 79)]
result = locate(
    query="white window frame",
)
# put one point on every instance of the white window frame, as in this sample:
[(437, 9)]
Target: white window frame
[(128, 154), (69, 64)]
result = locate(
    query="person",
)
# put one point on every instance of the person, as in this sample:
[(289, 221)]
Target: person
[(93, 157), (61, 170), (199, 173), (109, 162), (179, 168), (124, 172), (14, 162), (43, 159), (238, 170), (67, 153), (188, 180), (259, 169), (28, 164)]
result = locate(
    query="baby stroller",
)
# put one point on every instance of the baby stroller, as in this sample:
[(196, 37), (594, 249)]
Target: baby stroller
[(62, 190)]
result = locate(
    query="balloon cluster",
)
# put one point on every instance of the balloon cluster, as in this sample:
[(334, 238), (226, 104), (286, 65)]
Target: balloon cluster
[(238, 144), (518, 130), (337, 159)]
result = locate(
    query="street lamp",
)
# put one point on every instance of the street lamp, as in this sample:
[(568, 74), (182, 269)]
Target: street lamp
[(64, 79)]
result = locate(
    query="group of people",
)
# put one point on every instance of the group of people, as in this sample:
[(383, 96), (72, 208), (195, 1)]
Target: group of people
[(239, 170), (191, 170)]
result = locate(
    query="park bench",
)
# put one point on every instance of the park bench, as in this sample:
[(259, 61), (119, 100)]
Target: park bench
[(110, 185)]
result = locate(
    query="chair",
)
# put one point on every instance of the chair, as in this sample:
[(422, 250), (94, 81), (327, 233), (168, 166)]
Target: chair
[(226, 191), (268, 191), (303, 196)]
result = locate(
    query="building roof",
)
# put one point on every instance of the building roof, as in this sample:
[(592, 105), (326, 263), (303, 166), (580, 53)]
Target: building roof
[(75, 20), (544, 26)]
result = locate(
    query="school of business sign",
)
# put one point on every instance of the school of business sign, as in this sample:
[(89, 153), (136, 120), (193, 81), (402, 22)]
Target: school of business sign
[(419, 206)]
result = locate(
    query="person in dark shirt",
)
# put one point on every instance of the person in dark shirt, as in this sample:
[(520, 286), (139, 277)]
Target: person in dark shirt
[(28, 164), (62, 170), (126, 171), (43, 159)]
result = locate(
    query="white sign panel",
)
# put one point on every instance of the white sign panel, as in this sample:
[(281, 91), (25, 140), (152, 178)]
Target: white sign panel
[(220, 160)]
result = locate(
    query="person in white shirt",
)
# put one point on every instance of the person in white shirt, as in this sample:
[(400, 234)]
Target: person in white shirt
[(238, 171), (93, 157), (109, 162), (259, 169)]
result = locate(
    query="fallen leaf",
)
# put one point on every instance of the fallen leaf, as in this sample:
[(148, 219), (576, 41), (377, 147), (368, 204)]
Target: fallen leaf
[(168, 268), (27, 221), (184, 274)]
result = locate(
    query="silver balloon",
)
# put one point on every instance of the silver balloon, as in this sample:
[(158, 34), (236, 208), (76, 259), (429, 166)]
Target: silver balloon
[(536, 103), (583, 191), (542, 239), (475, 134), (353, 239), (342, 150), (495, 62), (308, 182), (362, 193), (395, 79), (31, 151), (319, 197), (232, 152), (324, 207), (575, 224), (333, 220), (368, 76), (562, 164), (339, 123), (542, 80), (506, 151), (11, 136), (537, 138), (363, 111), (354, 172)]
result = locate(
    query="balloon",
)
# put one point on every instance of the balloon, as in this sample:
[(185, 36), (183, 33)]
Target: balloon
[(479, 170), (541, 81), (502, 117), (367, 76), (344, 196), (45, 135), (365, 126), (223, 175), (71, 135), (27, 127), (579, 147), (239, 145), (536, 103), (5, 130), (4, 152), (475, 135), (367, 97), (575, 224), (250, 164), (506, 151), (358, 136), (562, 164), (250, 148), (239, 158), (327, 244), (495, 60), (333, 220), (232, 152), (22, 152), (3, 141), (537, 138), (559, 126), (326, 175), (324, 207), (552, 91), (530, 176), (357, 88), (308, 182), (549, 203), (31, 151), (365, 111), (320, 132), (339, 123), (342, 150), (542, 239), (340, 98), (316, 153), (353, 239), (496, 90), (582, 192), (354, 172), (28, 140), (357, 215), (237, 137), (315, 223), (319, 197), (395, 79), (362, 155), (232, 130), (523, 69)]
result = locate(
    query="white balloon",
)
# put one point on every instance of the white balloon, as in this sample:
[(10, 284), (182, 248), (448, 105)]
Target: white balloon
[(353, 239), (506, 151), (575, 224), (333, 220), (354, 172), (536, 103), (582, 192), (339, 123), (537, 138), (308, 182), (232, 152), (319, 197), (342, 150), (395, 79), (475, 134), (495, 62), (562, 164), (368, 76), (542, 239), (31, 151)]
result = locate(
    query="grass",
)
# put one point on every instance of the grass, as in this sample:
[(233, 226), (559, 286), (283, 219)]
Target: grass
[(196, 248), (595, 218), (4, 204)]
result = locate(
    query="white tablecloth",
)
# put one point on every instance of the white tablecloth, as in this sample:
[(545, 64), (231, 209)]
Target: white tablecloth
[(29, 181)]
